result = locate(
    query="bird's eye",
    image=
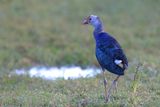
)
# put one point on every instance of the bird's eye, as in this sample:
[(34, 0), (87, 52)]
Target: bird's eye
[(90, 19)]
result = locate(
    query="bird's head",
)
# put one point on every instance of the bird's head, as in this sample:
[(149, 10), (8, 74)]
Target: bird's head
[(92, 20)]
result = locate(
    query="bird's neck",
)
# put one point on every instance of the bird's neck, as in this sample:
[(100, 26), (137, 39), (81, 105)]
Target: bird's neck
[(98, 29)]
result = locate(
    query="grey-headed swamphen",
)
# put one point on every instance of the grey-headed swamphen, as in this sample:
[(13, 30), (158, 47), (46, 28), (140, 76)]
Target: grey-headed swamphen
[(108, 52)]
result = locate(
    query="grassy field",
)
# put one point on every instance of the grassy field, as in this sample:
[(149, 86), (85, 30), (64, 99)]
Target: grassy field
[(49, 32)]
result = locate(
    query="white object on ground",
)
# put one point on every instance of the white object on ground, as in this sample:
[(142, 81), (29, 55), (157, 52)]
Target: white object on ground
[(53, 73)]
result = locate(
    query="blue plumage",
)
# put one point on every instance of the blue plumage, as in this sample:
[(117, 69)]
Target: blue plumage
[(107, 51)]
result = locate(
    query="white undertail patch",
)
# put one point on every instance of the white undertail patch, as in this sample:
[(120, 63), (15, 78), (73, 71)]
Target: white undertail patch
[(118, 61)]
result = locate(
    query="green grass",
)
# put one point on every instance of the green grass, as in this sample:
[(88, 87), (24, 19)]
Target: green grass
[(49, 32), (84, 92)]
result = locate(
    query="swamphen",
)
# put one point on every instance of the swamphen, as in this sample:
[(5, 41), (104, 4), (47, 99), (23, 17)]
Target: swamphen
[(108, 52)]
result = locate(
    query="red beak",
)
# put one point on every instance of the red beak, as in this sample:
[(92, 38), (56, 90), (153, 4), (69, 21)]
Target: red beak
[(85, 21)]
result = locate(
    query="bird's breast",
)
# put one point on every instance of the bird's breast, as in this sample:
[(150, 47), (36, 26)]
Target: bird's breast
[(103, 58)]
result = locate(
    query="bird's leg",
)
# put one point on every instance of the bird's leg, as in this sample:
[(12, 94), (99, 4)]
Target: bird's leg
[(116, 86), (112, 86), (104, 82)]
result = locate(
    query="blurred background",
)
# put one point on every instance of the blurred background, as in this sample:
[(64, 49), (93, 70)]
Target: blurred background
[(50, 33)]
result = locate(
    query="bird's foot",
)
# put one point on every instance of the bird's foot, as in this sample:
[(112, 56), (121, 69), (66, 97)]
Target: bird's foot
[(107, 99)]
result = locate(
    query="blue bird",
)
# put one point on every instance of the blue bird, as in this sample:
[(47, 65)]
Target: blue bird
[(108, 52)]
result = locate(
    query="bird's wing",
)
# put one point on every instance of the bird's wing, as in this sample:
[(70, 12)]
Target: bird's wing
[(119, 58), (111, 47)]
